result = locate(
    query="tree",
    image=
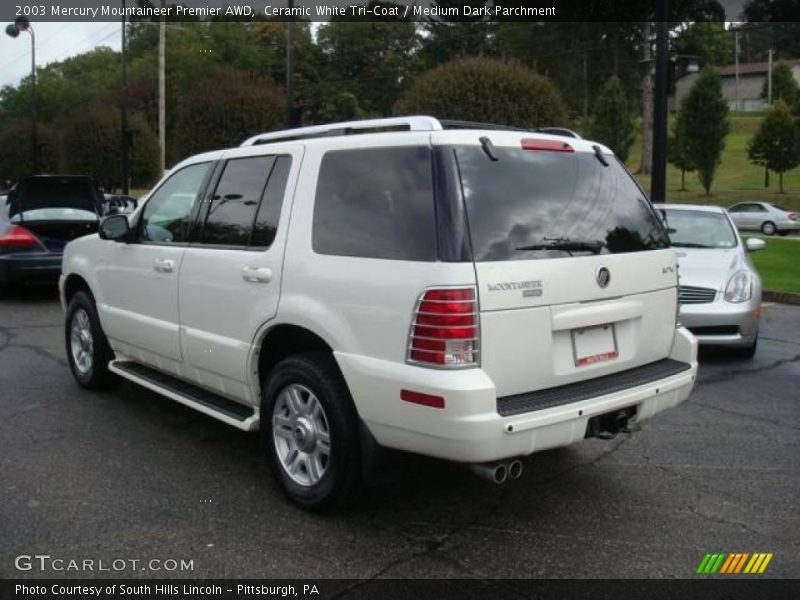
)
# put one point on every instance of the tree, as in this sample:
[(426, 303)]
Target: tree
[(612, 119), (784, 86), (16, 151), (486, 90), (703, 116), (708, 41), (371, 59), (225, 109), (775, 142), (678, 151), (91, 145)]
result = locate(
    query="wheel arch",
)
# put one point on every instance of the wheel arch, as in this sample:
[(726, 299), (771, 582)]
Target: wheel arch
[(281, 340), (73, 284)]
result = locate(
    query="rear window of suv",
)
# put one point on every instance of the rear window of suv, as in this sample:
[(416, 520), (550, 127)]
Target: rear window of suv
[(530, 198), (376, 203)]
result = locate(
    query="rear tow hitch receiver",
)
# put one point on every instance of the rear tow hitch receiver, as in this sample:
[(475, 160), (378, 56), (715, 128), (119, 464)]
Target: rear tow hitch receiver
[(607, 426)]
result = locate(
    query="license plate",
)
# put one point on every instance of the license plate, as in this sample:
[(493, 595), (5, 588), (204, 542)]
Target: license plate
[(592, 345)]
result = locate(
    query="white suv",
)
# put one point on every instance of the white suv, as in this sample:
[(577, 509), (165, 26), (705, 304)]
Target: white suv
[(472, 293)]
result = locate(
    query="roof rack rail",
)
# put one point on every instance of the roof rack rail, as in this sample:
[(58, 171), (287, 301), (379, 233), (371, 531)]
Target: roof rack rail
[(455, 124), (562, 131), (413, 123)]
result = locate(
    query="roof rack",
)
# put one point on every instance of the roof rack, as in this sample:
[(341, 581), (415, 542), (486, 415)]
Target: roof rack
[(413, 123)]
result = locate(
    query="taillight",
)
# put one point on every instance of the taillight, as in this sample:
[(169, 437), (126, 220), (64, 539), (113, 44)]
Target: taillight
[(18, 237), (445, 330), (793, 216), (546, 145)]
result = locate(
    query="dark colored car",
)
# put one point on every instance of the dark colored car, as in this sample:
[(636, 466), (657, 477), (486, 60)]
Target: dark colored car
[(41, 214)]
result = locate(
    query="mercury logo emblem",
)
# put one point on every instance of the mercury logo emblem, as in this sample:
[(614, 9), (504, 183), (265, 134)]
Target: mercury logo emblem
[(603, 277)]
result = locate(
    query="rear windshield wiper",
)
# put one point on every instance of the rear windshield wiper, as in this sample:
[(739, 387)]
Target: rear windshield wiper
[(567, 245), (689, 245)]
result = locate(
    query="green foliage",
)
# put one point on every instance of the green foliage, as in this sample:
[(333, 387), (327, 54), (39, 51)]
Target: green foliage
[(678, 151), (92, 146), (784, 87), (486, 90), (343, 107), (703, 117), (63, 86), (708, 41), (775, 143), (223, 110), (16, 151), (369, 59), (612, 119)]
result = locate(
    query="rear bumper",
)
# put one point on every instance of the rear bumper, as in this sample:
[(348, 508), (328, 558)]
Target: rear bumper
[(470, 429), (30, 267), (721, 323)]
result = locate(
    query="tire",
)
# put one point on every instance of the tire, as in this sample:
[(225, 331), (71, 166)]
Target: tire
[(768, 228), (314, 453), (748, 352), (88, 352)]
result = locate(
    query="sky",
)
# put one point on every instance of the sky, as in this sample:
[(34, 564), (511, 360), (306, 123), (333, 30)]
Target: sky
[(54, 41)]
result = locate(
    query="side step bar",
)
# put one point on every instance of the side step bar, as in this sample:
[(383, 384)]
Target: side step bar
[(238, 415)]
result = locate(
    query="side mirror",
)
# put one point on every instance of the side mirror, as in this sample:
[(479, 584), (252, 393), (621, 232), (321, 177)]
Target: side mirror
[(115, 228), (755, 244)]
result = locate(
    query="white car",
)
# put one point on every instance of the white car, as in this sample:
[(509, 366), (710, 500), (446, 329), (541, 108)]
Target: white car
[(720, 290), (765, 217), (471, 294)]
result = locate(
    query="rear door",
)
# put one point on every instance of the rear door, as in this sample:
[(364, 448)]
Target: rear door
[(575, 275), (230, 279)]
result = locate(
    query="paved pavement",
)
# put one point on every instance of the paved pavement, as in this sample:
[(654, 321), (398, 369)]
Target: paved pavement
[(130, 475)]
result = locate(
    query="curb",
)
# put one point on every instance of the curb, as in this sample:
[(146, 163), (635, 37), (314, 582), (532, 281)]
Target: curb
[(782, 297)]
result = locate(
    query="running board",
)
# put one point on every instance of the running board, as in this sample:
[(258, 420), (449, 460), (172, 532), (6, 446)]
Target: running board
[(238, 415)]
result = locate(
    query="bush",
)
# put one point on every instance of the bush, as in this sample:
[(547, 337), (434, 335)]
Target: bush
[(15, 150), (224, 110), (92, 146), (485, 90)]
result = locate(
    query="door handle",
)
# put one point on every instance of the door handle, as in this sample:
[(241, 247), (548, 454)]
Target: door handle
[(257, 274), (164, 265)]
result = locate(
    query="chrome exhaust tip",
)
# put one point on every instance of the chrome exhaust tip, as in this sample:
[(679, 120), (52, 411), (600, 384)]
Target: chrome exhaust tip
[(497, 473), (515, 469)]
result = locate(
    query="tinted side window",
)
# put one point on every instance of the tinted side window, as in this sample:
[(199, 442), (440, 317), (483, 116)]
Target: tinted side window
[(377, 203), (269, 212), (235, 202), (167, 213)]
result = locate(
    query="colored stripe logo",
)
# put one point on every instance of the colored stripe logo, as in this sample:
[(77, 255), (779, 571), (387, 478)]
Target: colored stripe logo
[(734, 563)]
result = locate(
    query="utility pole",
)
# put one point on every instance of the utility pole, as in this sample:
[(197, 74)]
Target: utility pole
[(736, 61), (769, 77), (647, 104), (585, 86), (290, 68), (124, 108), (162, 92), (658, 181)]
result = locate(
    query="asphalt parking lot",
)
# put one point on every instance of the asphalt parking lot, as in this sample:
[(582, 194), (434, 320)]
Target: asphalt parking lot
[(130, 475)]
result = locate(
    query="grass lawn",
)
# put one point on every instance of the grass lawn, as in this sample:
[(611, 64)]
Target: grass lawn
[(736, 179), (779, 265)]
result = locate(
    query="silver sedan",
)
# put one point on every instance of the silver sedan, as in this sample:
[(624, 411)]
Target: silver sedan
[(765, 217), (720, 290)]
